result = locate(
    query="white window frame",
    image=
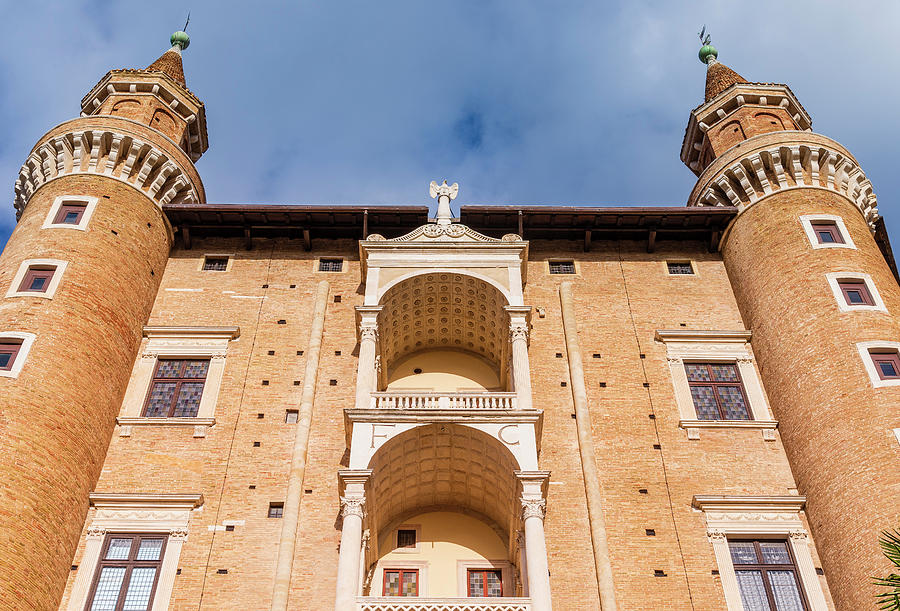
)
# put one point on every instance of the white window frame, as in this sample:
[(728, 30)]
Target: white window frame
[(60, 269), (807, 220), (19, 362), (216, 255), (506, 576), (834, 279), (762, 517), (869, 364), (168, 514), (177, 342), (686, 346), (89, 203)]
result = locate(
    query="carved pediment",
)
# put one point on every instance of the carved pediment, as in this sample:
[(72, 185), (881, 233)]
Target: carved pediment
[(445, 233)]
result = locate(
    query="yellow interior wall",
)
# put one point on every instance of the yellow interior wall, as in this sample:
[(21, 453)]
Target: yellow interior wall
[(443, 539), (443, 370)]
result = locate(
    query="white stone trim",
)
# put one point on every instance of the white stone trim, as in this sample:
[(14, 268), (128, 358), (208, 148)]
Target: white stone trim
[(216, 255), (177, 342), (59, 269), (834, 277), (115, 513), (897, 435), (863, 348), (806, 220), (27, 341), (89, 204), (506, 575), (715, 346), (759, 517)]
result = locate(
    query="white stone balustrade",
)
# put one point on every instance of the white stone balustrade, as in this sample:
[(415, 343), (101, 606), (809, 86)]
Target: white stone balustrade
[(444, 400), (443, 604)]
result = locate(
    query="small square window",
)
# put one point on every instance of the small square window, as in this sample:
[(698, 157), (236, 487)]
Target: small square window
[(331, 265), (562, 267), (856, 292), (406, 538), (680, 268), (37, 279), (215, 264), (887, 364), (827, 232), (70, 213), (8, 351), (276, 510), (291, 416)]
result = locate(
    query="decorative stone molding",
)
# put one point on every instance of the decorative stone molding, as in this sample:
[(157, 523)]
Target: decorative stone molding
[(533, 508), (104, 152), (352, 507), (802, 162), (95, 532), (442, 233), (518, 331), (368, 333)]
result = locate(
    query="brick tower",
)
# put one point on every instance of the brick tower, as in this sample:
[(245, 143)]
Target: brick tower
[(823, 306), (80, 274)]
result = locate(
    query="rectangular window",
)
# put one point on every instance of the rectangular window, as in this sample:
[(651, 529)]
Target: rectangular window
[(766, 575), (215, 264), (176, 388), (331, 265), (887, 364), (485, 583), (401, 582), (562, 267), (37, 279), (127, 574), (406, 538), (8, 352), (856, 292), (276, 510), (680, 268), (827, 232), (69, 214), (717, 391), (291, 416)]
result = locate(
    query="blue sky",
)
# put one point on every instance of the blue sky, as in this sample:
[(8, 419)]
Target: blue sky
[(567, 102)]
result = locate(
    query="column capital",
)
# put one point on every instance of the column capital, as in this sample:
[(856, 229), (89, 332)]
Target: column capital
[(518, 331), (368, 333), (533, 508), (95, 532), (353, 506), (178, 533)]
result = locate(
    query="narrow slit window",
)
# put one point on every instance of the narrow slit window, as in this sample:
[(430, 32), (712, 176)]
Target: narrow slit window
[(70, 214), (331, 265), (856, 293), (717, 391), (562, 267), (827, 232), (215, 264), (176, 388), (37, 279), (887, 364), (680, 268), (128, 572), (9, 350), (401, 582)]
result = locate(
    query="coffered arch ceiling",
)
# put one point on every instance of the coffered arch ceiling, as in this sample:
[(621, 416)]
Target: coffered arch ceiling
[(443, 310)]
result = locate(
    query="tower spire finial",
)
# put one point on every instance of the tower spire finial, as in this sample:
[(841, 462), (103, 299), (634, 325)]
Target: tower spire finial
[(180, 38), (708, 53)]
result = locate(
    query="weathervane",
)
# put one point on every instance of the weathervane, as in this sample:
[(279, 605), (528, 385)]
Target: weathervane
[(708, 53), (704, 36), (184, 29)]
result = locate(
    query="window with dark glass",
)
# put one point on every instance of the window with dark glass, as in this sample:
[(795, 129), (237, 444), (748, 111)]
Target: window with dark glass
[(485, 582), (562, 267), (406, 537), (827, 232), (767, 576), (401, 582), (856, 292), (680, 268), (9, 350), (215, 264), (37, 280), (128, 572), (717, 391), (69, 214), (887, 364), (331, 265), (176, 388), (276, 510)]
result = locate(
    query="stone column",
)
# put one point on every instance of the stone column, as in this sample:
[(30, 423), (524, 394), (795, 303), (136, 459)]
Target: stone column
[(366, 373), (533, 507), (352, 503), (518, 340)]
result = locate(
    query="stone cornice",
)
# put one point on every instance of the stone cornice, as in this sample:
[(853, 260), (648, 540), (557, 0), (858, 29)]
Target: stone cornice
[(782, 161), (688, 335), (705, 502), (107, 151), (205, 332), (112, 500)]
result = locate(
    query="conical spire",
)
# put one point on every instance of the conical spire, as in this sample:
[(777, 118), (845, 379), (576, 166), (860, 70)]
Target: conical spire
[(170, 61), (719, 77)]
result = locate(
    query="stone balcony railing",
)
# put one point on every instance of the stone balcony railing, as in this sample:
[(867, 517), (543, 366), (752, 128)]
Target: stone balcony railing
[(366, 603), (444, 400)]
